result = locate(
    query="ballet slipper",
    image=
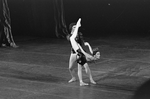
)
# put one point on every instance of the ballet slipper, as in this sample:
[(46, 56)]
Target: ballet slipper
[(93, 82), (72, 80), (83, 84)]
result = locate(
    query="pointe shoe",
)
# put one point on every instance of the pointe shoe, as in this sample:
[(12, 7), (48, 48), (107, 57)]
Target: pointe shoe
[(13, 45), (72, 80), (83, 84), (93, 82)]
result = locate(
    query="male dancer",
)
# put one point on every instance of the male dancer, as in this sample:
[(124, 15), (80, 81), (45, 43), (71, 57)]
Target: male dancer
[(79, 55)]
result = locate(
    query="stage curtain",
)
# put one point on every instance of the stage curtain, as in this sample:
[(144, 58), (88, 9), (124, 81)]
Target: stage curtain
[(6, 37), (60, 25)]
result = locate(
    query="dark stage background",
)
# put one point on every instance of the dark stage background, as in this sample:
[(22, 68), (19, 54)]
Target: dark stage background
[(99, 17)]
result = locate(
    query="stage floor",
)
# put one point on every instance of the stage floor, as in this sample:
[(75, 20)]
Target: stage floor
[(38, 69)]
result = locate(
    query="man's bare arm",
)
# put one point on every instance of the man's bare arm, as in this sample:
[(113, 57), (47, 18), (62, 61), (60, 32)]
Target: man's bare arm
[(90, 48), (88, 56)]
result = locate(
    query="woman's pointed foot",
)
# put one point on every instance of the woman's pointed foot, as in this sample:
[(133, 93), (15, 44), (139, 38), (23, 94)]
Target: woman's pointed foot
[(72, 80), (83, 84), (93, 82)]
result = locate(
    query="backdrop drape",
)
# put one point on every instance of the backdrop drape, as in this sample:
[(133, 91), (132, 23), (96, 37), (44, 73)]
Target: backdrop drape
[(99, 17), (6, 37), (60, 24)]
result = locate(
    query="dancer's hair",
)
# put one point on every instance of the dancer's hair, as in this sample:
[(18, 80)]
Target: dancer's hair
[(71, 25), (95, 50)]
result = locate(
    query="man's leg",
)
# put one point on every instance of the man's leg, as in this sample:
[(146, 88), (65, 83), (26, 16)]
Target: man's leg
[(80, 76), (88, 71)]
